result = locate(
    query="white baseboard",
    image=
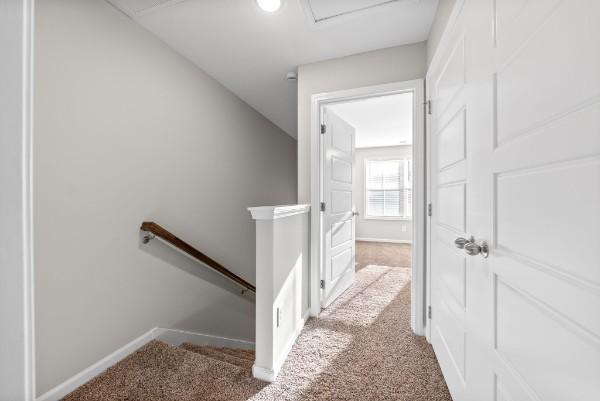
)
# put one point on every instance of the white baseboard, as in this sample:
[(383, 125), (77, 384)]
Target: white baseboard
[(177, 337), (86, 375), (169, 336), (266, 375), (393, 241)]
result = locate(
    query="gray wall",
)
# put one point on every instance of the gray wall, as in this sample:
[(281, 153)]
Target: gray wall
[(437, 28), (126, 130), (396, 64), (399, 230)]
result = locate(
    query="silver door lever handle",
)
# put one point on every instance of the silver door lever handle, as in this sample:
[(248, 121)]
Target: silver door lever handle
[(460, 242), (473, 249), (355, 213)]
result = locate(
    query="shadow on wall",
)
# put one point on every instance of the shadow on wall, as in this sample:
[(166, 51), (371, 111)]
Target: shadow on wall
[(176, 258)]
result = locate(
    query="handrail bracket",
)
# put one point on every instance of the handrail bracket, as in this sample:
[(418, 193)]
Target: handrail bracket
[(148, 236)]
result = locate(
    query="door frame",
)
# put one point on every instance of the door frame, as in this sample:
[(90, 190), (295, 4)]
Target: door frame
[(318, 101), (17, 362), (433, 67)]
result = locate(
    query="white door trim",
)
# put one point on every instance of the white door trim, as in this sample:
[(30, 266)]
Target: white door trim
[(433, 66), (445, 37), (16, 239), (418, 319)]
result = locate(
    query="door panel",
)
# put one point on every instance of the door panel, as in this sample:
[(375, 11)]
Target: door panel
[(339, 264), (338, 219), (549, 199), (531, 85), (452, 210), (449, 138), (341, 201), (452, 141), (451, 80), (341, 233), (531, 179), (453, 276), (341, 170), (526, 333)]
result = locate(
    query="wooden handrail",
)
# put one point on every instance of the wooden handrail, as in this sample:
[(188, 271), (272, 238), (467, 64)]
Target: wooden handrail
[(157, 230)]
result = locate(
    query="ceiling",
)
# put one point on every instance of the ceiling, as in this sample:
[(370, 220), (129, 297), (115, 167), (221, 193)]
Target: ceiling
[(379, 121), (250, 51)]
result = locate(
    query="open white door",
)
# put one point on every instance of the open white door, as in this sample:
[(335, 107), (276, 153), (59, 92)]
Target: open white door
[(337, 207), (515, 136)]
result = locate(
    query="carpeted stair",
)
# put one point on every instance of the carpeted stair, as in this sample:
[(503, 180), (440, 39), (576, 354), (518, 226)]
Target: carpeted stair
[(235, 356), (159, 371)]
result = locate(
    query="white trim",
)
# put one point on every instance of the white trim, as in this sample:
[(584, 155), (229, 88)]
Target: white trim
[(17, 354), (387, 218), (399, 145), (391, 241), (340, 18), (177, 337), (169, 336), (428, 200), (137, 15), (435, 60), (418, 148), (267, 375), (277, 212), (417, 301), (94, 370), (433, 65), (28, 271)]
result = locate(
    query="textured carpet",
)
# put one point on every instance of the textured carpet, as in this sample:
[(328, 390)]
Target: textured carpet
[(159, 371), (360, 348), (382, 254)]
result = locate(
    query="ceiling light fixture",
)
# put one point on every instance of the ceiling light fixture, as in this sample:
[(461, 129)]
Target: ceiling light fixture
[(269, 6)]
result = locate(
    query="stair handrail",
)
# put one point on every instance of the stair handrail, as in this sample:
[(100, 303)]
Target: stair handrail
[(153, 230)]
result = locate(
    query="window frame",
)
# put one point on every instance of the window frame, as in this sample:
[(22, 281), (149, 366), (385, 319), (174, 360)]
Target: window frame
[(366, 216)]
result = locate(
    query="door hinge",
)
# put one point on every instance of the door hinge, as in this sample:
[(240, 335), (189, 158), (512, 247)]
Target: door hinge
[(322, 284), (429, 312), (322, 206), (428, 106), (323, 128), (429, 210)]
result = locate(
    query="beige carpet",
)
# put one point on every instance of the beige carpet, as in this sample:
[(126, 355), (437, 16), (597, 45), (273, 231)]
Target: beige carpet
[(361, 348), (382, 254)]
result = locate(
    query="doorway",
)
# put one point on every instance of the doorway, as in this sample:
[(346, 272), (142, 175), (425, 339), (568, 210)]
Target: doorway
[(368, 180), (382, 177)]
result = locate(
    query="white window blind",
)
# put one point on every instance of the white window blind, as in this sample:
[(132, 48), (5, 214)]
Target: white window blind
[(389, 188)]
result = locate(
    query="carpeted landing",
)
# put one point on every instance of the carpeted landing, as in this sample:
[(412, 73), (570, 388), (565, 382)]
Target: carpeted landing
[(360, 348), (382, 254)]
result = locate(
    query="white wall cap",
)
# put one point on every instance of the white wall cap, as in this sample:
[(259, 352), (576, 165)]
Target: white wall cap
[(277, 212)]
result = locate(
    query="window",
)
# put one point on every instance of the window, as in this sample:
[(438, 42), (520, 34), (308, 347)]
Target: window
[(388, 188)]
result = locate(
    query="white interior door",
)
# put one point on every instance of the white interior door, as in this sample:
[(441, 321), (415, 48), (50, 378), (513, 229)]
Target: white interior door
[(449, 190), (515, 139), (338, 236)]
